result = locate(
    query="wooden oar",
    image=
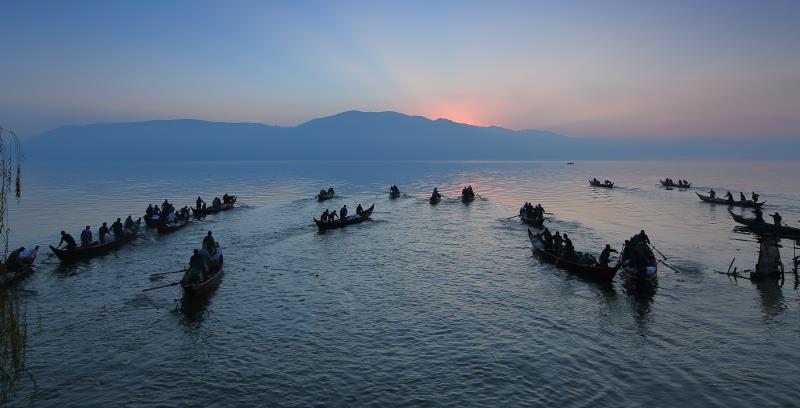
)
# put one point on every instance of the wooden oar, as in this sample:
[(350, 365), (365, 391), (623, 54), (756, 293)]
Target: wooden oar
[(162, 286), (659, 252), (668, 266), (167, 273), (513, 216)]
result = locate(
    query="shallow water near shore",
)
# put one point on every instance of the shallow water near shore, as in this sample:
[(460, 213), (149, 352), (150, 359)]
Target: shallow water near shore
[(422, 306)]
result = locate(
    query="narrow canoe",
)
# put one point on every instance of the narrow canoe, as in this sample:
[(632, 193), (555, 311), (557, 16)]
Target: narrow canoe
[(601, 184), (93, 250), (665, 184), (351, 219), (212, 210), (591, 272), (435, 200), (394, 194), (764, 227), (717, 200), (326, 196), (468, 199), (205, 287)]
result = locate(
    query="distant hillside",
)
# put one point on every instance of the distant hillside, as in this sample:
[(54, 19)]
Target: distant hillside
[(357, 135)]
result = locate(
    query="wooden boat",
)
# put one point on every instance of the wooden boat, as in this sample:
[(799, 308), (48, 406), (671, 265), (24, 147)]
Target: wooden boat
[(741, 203), (171, 227), (326, 196), (533, 222), (205, 287), (213, 210), (601, 184), (435, 199), (95, 249), (764, 227), (592, 272), (394, 194), (350, 219), (468, 198), (666, 184), (10, 277)]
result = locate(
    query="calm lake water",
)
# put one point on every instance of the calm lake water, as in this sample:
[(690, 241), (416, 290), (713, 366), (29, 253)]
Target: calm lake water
[(424, 306)]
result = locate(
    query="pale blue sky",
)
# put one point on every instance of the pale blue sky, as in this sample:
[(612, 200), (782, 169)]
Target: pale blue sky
[(583, 68)]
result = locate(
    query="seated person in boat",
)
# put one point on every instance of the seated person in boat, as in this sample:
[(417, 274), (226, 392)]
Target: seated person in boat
[(605, 255), (359, 210), (321, 192), (755, 197), (640, 237), (216, 259), (13, 261), (102, 232), (435, 194), (117, 228), (86, 237), (330, 190), (568, 252), (216, 202), (742, 197), (208, 243), (66, 238), (226, 198), (595, 181), (712, 193), (607, 182), (729, 197), (343, 212), (197, 271), (547, 239), (199, 203), (776, 218), (759, 215)]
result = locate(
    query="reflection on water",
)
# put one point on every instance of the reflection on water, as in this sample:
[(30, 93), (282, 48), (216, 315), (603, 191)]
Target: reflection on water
[(13, 343), (425, 306)]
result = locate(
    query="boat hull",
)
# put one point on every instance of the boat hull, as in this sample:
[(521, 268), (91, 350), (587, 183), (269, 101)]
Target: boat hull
[(717, 200), (365, 215)]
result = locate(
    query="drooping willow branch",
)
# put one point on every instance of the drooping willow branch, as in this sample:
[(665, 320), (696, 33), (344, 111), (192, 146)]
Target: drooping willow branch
[(11, 176)]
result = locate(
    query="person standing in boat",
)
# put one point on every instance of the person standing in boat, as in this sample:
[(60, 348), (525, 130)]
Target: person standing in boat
[(435, 195), (330, 190), (729, 197), (86, 237), (742, 196), (359, 209), (102, 232), (557, 242), (129, 223), (641, 237), (116, 228), (149, 211), (208, 243), (712, 193), (66, 238), (755, 197), (343, 212), (605, 255), (776, 218), (199, 203)]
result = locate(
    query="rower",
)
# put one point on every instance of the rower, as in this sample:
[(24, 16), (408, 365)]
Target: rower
[(102, 232), (164, 205), (116, 228), (627, 248), (776, 219), (321, 192), (729, 196), (642, 237), (149, 211), (685, 183), (226, 198), (330, 190), (569, 250), (208, 242), (69, 241), (13, 261), (548, 239), (216, 203), (86, 237), (324, 216), (712, 193), (557, 242), (755, 197), (343, 212), (359, 210), (605, 255), (607, 182), (759, 215), (129, 223), (197, 268), (742, 196)]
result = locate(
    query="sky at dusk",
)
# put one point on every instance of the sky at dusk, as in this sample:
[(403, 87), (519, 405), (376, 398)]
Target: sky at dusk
[(637, 69)]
